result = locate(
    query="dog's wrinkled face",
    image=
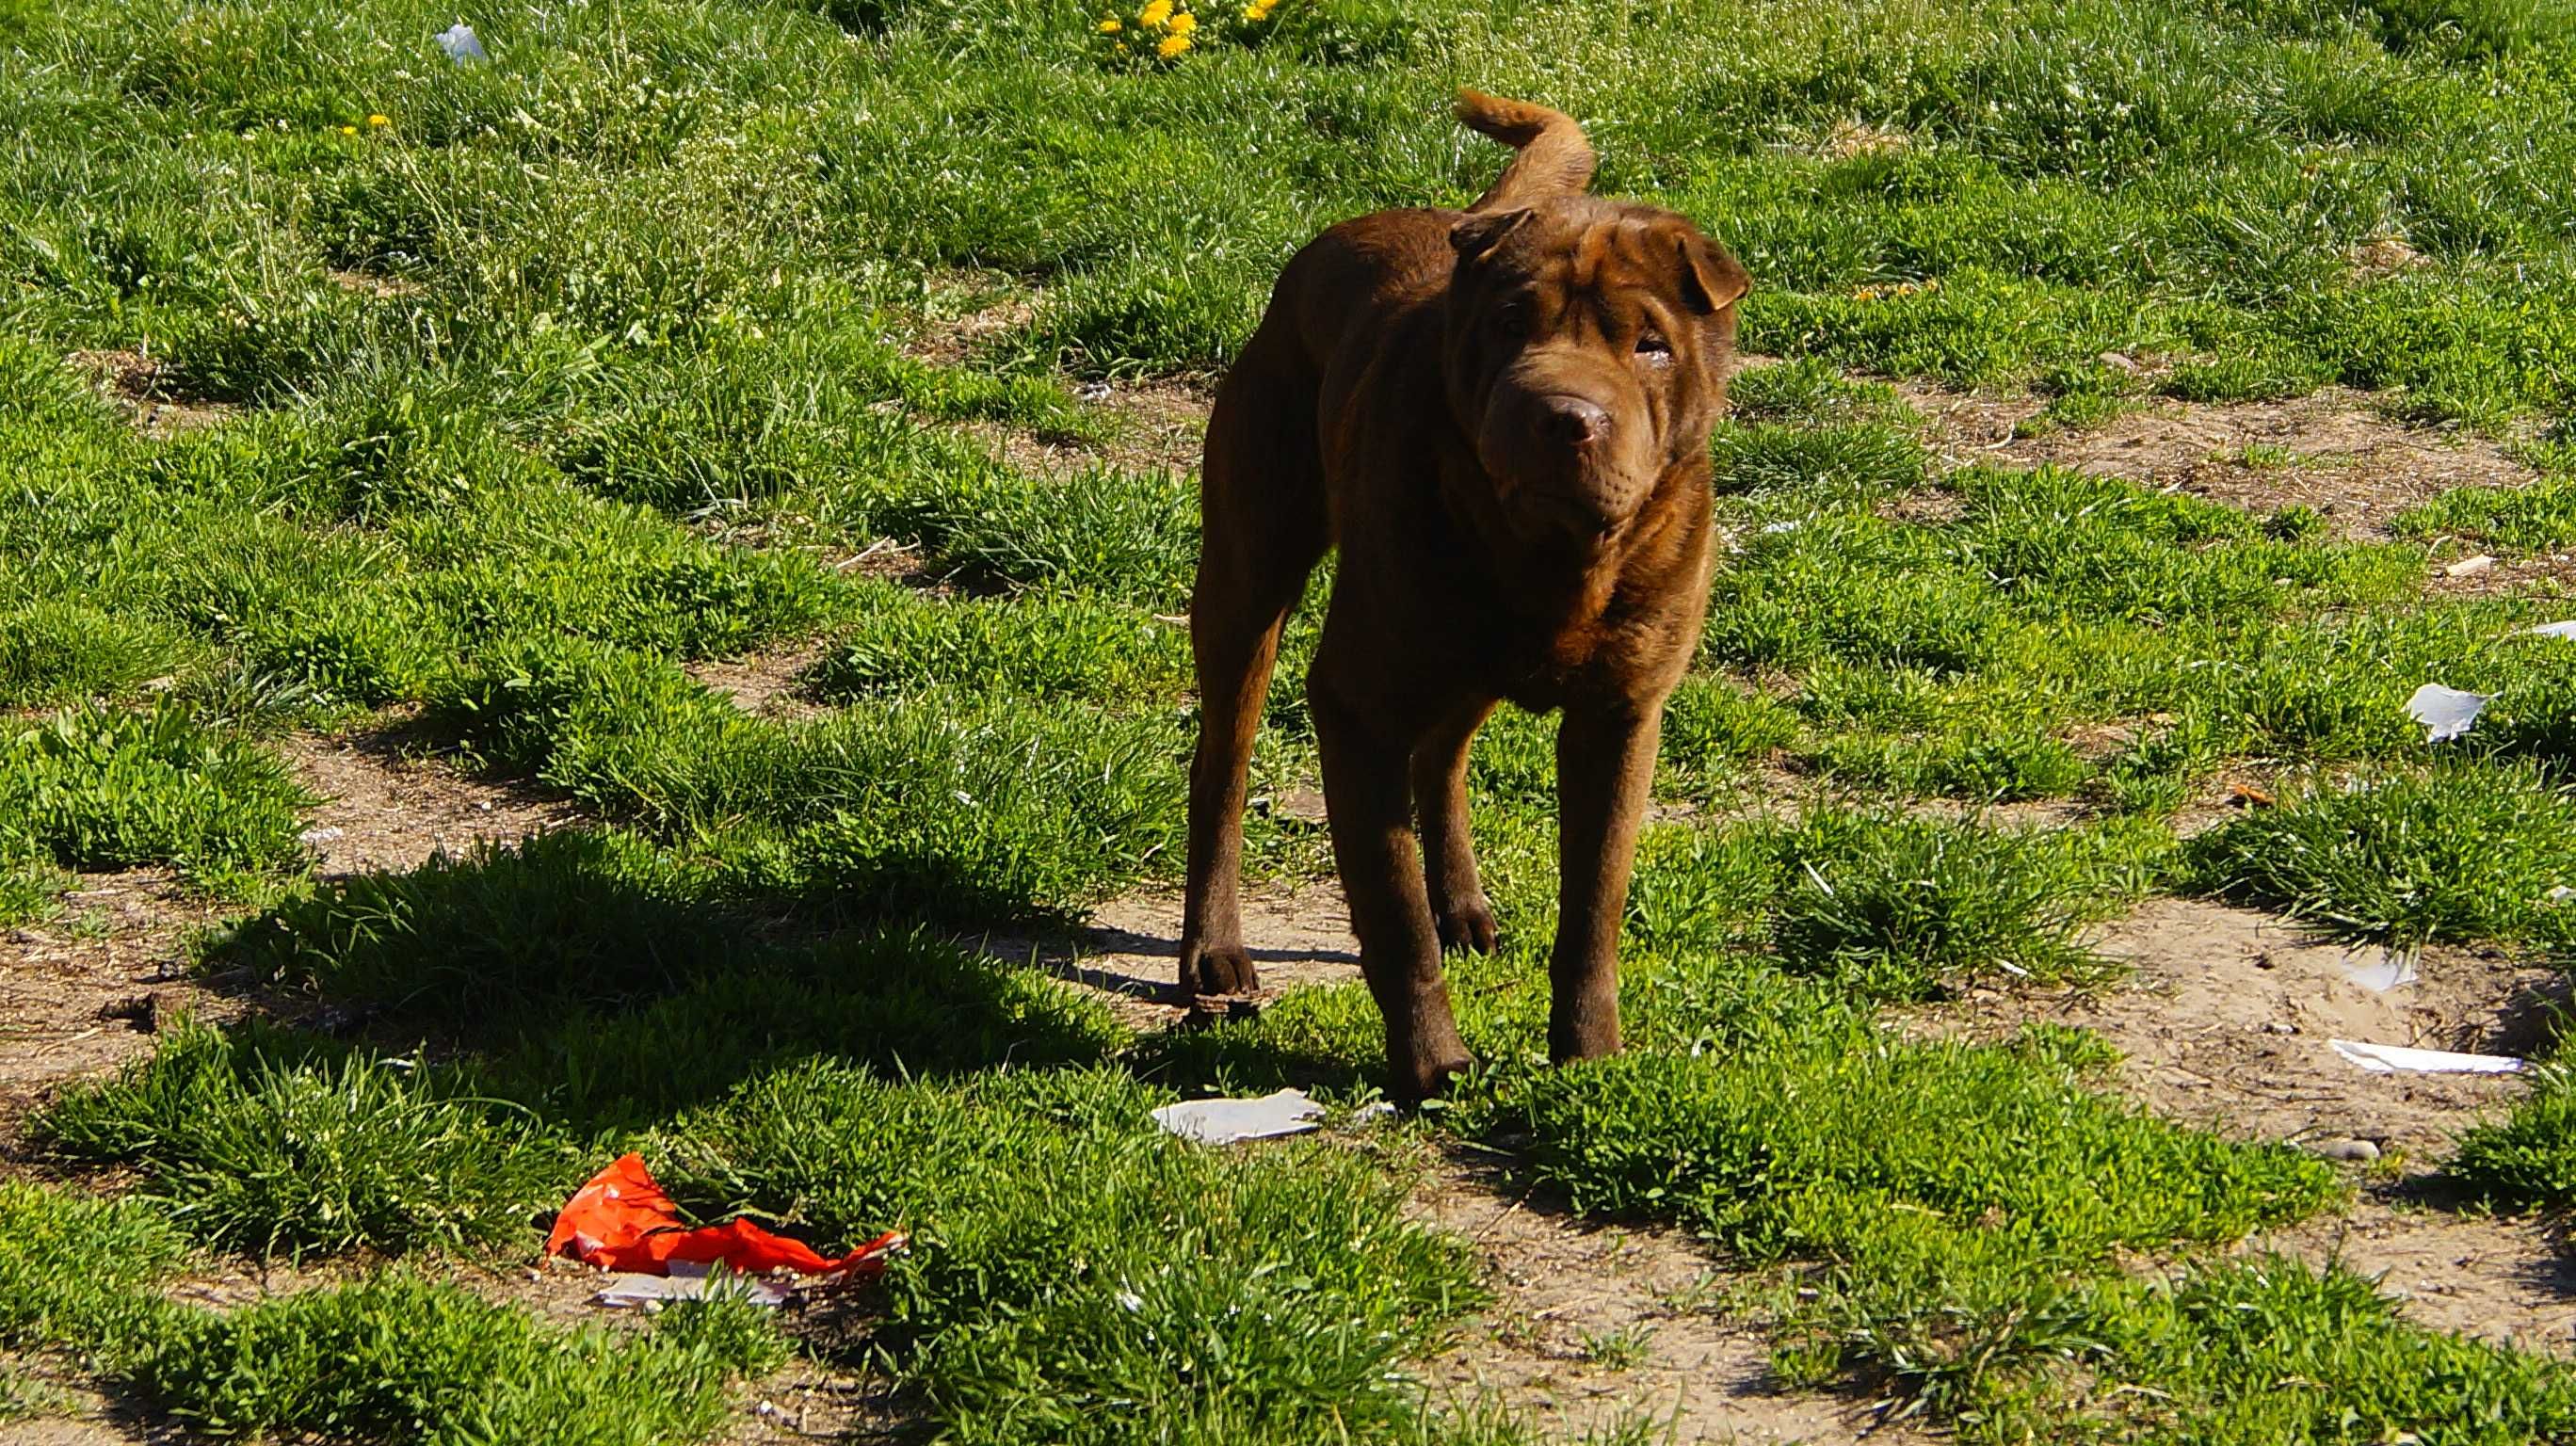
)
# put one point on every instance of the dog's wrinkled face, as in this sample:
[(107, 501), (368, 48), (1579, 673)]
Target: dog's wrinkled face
[(1588, 343)]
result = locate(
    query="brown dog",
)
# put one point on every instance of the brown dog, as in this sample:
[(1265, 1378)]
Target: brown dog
[(1501, 416)]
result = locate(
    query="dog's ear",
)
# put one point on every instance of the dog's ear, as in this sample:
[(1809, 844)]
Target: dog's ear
[(1712, 280), (1482, 231)]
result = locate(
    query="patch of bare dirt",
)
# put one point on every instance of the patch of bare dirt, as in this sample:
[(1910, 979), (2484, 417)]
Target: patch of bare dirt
[(2543, 575), (2225, 1019), (2328, 451), (74, 1414), (767, 685), (2225, 1024), (1924, 507), (2385, 256), (1850, 137), (2503, 1280), (811, 1402), (1155, 424), (1163, 423), (141, 388), (85, 991), (387, 805), (369, 283), (1594, 1326), (969, 309)]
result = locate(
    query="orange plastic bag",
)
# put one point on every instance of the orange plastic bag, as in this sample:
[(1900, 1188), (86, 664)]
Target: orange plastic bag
[(622, 1220)]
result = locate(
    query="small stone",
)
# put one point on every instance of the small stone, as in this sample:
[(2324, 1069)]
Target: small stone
[(1304, 804), (2118, 361), (2344, 1148), (2277, 1027)]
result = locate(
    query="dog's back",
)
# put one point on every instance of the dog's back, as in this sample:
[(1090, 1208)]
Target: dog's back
[(1365, 272)]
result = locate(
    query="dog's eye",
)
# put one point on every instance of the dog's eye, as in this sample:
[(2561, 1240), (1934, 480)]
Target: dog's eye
[(1652, 344)]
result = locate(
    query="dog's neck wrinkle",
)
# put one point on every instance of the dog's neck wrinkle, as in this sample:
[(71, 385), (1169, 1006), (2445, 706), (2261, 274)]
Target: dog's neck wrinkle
[(1557, 594)]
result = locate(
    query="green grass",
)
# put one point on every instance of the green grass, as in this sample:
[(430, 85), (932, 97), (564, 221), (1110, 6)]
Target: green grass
[(267, 1144), (74, 1271), (400, 1358), (2453, 852), (393, 1357), (2528, 1159), (1179, 1294)]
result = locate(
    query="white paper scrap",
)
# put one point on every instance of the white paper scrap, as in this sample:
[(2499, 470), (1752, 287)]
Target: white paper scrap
[(1223, 1122), (2566, 629), (2379, 970), (2391, 1058), (2446, 713), (688, 1280), (459, 42)]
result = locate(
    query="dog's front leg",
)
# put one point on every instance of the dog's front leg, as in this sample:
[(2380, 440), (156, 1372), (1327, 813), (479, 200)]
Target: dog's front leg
[(1368, 801), (1605, 763)]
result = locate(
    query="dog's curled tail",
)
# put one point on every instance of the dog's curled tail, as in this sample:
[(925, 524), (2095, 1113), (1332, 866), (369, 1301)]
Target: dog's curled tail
[(1554, 159), (1554, 155)]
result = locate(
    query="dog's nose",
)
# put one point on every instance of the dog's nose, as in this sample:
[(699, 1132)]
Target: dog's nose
[(1574, 422)]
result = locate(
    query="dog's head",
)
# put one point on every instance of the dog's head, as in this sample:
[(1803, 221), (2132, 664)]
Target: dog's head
[(1587, 351)]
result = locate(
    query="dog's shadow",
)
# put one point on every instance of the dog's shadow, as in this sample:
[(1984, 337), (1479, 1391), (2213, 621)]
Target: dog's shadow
[(1142, 960)]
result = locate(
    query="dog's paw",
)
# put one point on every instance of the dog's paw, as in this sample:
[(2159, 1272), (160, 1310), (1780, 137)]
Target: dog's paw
[(1414, 1078), (1468, 926), (1207, 970)]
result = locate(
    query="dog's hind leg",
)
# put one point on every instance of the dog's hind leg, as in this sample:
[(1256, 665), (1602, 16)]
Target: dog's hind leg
[(1458, 907), (1263, 527)]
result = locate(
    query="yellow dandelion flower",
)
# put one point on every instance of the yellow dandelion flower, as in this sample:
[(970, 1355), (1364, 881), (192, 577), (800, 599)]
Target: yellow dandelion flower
[(1110, 27), (348, 130), (1153, 16), (1184, 23), (380, 120), (1173, 46)]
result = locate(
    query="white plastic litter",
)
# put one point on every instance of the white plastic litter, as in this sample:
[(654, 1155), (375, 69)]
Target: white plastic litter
[(2391, 1058), (2446, 713), (1223, 1122), (2379, 970), (459, 43), (2467, 565), (688, 1280), (2566, 629)]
